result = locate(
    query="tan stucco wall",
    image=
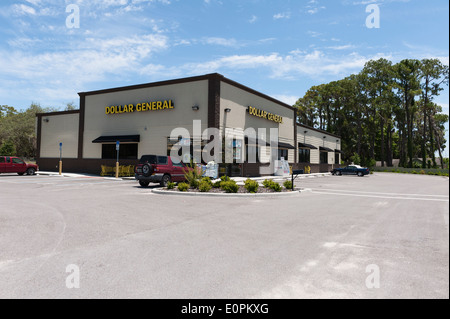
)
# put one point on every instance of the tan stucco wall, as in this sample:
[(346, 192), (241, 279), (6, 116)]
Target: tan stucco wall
[(316, 138), (238, 101), (154, 127), (59, 129)]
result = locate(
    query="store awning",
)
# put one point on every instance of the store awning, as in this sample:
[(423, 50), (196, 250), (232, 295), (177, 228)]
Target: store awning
[(326, 149), (339, 151), (286, 146), (307, 146), (122, 139)]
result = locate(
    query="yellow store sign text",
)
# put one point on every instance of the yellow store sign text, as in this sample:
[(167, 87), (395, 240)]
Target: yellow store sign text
[(141, 107), (265, 115)]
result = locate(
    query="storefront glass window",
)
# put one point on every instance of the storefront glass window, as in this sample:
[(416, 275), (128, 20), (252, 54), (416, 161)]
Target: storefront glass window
[(283, 153), (337, 158), (304, 155), (323, 157)]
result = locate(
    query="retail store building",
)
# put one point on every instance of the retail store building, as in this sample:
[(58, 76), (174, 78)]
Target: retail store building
[(142, 118)]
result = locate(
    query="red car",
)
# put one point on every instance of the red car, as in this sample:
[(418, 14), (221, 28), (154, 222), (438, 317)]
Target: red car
[(12, 164), (159, 169)]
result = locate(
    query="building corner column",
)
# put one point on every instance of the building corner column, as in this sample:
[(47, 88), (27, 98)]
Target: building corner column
[(81, 125)]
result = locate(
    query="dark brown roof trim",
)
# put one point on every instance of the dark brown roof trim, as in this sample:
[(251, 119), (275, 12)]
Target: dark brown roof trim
[(249, 90), (150, 85), (186, 80), (317, 130), (58, 113)]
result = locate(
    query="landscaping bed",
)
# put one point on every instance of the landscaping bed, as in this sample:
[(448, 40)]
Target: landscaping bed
[(241, 190), (195, 183)]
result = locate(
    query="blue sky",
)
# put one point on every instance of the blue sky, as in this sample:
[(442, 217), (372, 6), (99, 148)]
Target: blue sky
[(281, 48)]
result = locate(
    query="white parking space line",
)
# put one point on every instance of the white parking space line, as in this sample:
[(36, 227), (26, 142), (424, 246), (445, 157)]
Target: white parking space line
[(70, 182), (31, 182), (446, 217), (17, 178), (377, 193), (384, 197)]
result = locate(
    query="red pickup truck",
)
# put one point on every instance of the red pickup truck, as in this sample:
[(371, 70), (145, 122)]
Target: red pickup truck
[(12, 164)]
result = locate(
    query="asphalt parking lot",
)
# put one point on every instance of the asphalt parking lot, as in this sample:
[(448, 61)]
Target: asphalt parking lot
[(130, 243)]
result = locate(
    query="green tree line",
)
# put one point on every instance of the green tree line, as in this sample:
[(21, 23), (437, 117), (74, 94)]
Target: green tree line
[(18, 129), (385, 112)]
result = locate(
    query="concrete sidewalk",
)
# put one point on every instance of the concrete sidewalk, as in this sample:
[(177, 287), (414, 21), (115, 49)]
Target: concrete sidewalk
[(280, 178), (56, 174), (237, 179)]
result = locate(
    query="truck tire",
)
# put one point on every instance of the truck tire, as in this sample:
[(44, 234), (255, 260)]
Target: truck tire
[(165, 180), (144, 184), (31, 171)]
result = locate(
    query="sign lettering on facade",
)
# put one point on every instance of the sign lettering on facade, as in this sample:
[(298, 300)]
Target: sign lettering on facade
[(265, 115), (141, 107)]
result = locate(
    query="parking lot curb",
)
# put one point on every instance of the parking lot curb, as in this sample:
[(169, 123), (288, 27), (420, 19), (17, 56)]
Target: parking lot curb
[(198, 194)]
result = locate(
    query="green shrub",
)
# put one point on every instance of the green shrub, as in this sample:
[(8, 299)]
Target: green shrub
[(267, 183), (422, 172), (225, 179), (413, 172), (276, 187), (251, 186), (183, 187), (205, 187), (230, 187), (217, 184), (273, 185), (206, 180), (195, 183), (170, 185), (193, 175), (288, 185)]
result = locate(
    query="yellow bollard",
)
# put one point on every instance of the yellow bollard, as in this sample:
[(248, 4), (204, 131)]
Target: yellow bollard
[(60, 167)]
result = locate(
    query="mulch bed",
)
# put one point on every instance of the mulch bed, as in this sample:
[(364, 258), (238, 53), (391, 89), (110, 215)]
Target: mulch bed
[(242, 190)]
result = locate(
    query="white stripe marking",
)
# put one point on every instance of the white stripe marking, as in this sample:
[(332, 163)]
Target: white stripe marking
[(359, 192), (385, 197)]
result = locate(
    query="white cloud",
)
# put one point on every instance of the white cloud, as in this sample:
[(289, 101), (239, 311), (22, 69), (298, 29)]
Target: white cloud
[(253, 19), (93, 60), (288, 99), (294, 65), (314, 34), (313, 7), (34, 2), (22, 9), (342, 47), (220, 41), (286, 15)]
